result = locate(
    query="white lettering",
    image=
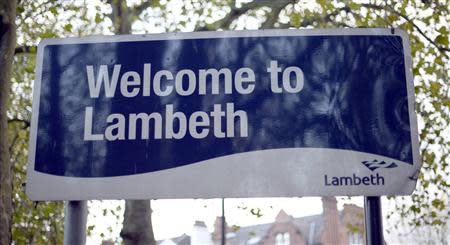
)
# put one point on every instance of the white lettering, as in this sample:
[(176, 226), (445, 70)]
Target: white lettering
[(116, 130), (244, 76), (145, 121), (191, 82), (274, 83), (177, 124), (102, 77), (88, 126), (242, 119), (170, 127), (125, 83), (298, 81), (215, 79), (199, 119), (217, 115), (147, 72)]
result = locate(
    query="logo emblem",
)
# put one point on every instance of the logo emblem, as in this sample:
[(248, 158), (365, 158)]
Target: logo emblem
[(375, 164)]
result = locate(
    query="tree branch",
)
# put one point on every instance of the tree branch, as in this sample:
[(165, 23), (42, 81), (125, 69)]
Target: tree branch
[(409, 20), (137, 10), (274, 15), (235, 13), (25, 49), (26, 123), (321, 19), (13, 142), (120, 16)]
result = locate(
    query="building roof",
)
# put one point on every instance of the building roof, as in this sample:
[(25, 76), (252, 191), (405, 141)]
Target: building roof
[(310, 228), (180, 240)]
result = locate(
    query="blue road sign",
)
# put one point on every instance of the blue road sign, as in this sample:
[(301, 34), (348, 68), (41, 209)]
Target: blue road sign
[(224, 114)]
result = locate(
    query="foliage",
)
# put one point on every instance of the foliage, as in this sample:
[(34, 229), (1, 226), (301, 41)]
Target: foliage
[(7, 44), (35, 222), (426, 22)]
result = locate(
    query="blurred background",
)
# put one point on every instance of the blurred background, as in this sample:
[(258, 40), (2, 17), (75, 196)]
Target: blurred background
[(417, 219)]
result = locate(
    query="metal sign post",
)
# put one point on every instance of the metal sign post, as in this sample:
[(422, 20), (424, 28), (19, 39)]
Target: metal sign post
[(373, 220), (75, 222), (223, 238)]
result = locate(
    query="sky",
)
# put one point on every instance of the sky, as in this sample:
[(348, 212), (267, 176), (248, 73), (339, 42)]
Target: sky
[(174, 217)]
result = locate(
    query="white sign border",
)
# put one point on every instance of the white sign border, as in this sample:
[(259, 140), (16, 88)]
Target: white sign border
[(33, 175)]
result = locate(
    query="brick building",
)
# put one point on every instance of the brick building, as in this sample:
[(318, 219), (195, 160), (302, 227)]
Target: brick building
[(330, 227)]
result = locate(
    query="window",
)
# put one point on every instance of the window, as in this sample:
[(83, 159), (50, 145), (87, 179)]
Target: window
[(355, 238), (282, 239)]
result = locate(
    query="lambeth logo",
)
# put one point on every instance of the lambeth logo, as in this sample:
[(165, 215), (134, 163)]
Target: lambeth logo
[(355, 180), (375, 164)]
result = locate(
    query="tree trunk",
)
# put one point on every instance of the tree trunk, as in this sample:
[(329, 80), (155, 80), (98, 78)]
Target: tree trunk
[(7, 45), (137, 223), (137, 226)]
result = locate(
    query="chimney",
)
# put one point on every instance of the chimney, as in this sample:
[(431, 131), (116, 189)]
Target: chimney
[(330, 233), (200, 234), (217, 233)]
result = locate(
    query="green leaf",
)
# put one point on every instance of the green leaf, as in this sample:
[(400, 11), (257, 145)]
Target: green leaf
[(256, 212), (353, 228), (19, 10), (235, 228), (442, 39), (447, 103), (439, 61), (430, 70), (433, 214), (295, 20), (393, 18), (415, 209), (437, 222), (47, 35), (68, 27), (29, 69), (438, 204), (443, 30), (354, 5), (53, 10), (435, 87), (98, 18), (436, 105)]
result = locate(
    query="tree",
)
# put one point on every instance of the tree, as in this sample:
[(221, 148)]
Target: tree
[(425, 21), (137, 224), (429, 41), (36, 222), (7, 44)]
